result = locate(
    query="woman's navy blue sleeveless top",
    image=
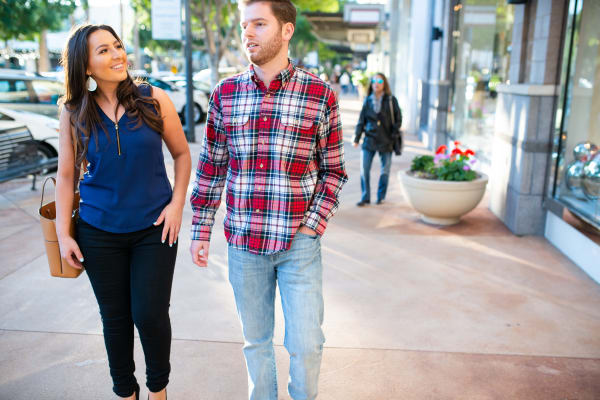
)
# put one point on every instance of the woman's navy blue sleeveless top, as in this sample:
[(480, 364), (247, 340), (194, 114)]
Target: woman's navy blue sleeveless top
[(125, 187)]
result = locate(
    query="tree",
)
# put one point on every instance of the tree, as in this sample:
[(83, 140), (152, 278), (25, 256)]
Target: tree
[(31, 19), (16, 20), (304, 40), (50, 16), (219, 20)]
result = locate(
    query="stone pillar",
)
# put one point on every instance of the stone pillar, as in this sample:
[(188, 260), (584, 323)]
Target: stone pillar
[(435, 104), (525, 114)]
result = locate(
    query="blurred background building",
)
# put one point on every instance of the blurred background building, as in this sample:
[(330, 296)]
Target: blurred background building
[(519, 82)]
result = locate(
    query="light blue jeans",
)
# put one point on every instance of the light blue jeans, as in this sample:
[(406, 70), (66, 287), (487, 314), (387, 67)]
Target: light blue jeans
[(365, 174), (254, 278)]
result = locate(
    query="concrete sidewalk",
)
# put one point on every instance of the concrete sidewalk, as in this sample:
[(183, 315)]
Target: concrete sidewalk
[(412, 311)]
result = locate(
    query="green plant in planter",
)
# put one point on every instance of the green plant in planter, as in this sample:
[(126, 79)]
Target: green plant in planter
[(421, 166), (360, 78), (456, 166)]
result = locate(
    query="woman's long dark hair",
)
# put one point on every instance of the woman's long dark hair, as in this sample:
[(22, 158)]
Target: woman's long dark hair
[(80, 102), (386, 85)]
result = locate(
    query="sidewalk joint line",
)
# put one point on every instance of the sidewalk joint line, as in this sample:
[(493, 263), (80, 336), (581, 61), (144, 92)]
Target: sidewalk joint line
[(337, 347)]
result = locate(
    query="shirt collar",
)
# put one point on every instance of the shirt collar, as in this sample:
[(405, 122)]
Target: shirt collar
[(284, 76)]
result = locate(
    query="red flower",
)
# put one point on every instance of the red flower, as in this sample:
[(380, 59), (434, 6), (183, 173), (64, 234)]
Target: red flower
[(456, 152), (469, 152), (441, 150), (456, 143)]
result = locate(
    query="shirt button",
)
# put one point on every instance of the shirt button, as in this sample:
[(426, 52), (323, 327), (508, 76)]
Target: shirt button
[(267, 95), (262, 141), (257, 210), (260, 166), (259, 188), (264, 118)]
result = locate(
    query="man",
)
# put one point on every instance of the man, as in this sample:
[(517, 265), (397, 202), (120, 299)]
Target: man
[(273, 136)]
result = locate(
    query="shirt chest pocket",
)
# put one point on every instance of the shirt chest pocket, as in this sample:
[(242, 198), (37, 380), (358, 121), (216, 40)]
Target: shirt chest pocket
[(298, 134), (240, 134)]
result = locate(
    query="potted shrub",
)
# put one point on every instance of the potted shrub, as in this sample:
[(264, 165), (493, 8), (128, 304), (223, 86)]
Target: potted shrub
[(444, 187), (361, 80)]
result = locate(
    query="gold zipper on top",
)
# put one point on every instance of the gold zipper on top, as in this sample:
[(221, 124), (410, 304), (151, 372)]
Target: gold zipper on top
[(118, 138)]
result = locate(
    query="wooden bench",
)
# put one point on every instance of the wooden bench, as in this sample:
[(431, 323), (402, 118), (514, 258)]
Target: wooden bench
[(19, 155)]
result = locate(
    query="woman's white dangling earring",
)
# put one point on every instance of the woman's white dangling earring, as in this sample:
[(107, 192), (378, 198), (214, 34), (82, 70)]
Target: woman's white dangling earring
[(91, 84)]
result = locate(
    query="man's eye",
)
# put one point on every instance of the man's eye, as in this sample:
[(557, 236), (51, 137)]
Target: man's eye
[(102, 51), (119, 46)]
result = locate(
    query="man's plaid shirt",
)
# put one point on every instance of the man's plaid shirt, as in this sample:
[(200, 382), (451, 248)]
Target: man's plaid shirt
[(280, 152)]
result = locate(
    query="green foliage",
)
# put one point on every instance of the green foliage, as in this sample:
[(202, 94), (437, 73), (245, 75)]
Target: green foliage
[(453, 170), (21, 19), (331, 6), (421, 163), (304, 40), (361, 78), (455, 166)]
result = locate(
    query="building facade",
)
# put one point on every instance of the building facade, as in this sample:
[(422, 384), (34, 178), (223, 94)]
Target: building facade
[(520, 84)]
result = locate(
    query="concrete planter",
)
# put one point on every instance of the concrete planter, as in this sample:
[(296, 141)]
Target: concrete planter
[(442, 202)]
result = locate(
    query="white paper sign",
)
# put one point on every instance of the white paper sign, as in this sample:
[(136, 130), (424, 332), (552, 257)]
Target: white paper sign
[(166, 19)]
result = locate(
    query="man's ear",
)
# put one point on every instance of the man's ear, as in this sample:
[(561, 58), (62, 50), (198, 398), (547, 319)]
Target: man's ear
[(288, 31)]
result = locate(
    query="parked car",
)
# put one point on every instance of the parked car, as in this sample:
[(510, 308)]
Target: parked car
[(178, 96), (25, 91), (180, 81), (203, 77), (43, 129)]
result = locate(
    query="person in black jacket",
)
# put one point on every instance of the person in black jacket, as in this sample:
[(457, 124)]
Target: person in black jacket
[(381, 129)]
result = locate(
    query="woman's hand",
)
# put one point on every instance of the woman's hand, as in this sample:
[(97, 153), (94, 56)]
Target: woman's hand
[(354, 144), (69, 250), (171, 215)]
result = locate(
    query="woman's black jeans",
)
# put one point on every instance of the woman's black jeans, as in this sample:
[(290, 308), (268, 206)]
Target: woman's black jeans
[(132, 274)]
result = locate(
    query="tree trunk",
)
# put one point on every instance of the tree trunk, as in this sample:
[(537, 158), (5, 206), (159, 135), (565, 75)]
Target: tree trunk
[(137, 58), (214, 69), (44, 62)]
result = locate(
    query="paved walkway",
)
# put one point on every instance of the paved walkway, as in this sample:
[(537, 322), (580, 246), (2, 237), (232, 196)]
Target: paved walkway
[(412, 311)]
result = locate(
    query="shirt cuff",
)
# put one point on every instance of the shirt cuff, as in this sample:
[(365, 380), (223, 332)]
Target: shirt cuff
[(201, 232), (315, 222)]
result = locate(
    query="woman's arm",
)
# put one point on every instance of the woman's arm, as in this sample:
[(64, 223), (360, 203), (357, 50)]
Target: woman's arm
[(178, 147), (65, 192)]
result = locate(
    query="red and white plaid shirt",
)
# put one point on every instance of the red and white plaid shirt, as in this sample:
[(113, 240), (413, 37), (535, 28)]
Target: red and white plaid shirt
[(279, 150)]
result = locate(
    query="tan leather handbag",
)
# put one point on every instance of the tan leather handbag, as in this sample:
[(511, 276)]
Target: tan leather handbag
[(58, 266)]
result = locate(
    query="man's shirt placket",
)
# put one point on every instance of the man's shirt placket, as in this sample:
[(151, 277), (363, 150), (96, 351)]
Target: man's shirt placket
[(262, 166)]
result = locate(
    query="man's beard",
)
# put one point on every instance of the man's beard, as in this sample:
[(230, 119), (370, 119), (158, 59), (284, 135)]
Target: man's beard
[(268, 51)]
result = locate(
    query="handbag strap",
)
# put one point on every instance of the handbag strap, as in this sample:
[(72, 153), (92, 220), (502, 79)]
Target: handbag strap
[(392, 111), (44, 188)]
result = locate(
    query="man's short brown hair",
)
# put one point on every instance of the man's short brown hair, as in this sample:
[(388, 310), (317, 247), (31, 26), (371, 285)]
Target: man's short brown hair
[(284, 10)]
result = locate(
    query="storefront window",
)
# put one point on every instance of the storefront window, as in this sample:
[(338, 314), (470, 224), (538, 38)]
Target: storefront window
[(577, 183), (481, 57)]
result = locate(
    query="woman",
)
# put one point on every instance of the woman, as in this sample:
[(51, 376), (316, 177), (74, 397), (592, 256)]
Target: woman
[(380, 129), (129, 216)]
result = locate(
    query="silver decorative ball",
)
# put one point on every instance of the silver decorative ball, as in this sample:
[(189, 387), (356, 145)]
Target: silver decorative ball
[(591, 179), (574, 175), (584, 151)]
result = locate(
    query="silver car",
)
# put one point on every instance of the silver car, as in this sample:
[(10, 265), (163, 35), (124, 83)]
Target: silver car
[(25, 91)]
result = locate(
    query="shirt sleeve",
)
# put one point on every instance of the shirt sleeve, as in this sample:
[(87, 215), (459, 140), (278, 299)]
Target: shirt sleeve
[(332, 172), (211, 172)]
